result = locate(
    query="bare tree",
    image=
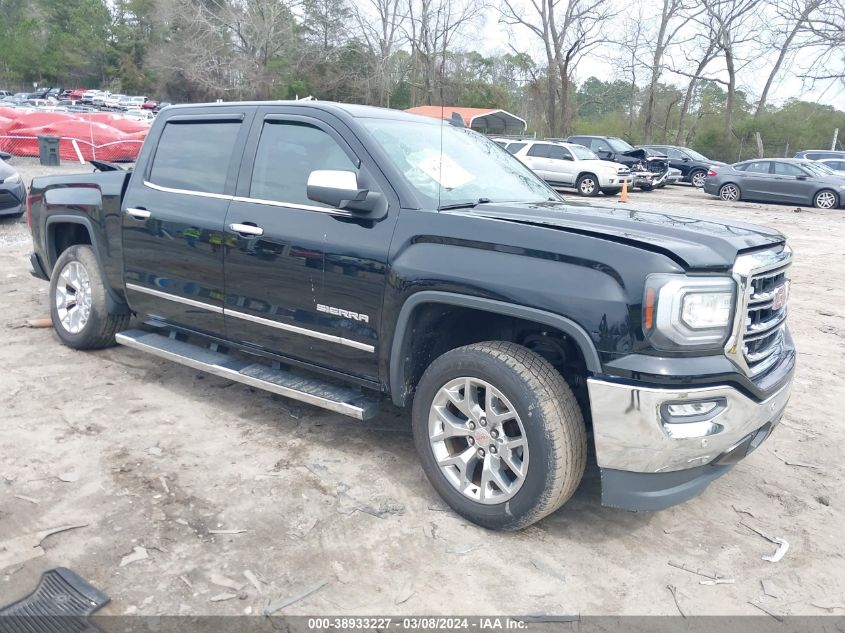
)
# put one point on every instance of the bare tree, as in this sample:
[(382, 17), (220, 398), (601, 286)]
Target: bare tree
[(734, 30), (793, 18), (568, 30), (433, 27), (382, 37), (674, 16)]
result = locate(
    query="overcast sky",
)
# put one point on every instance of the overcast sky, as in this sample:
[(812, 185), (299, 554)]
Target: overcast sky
[(752, 79)]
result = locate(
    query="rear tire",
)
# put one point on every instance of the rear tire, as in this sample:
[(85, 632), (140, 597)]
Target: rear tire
[(729, 192), (826, 199), (522, 422), (697, 178), (587, 185), (78, 301)]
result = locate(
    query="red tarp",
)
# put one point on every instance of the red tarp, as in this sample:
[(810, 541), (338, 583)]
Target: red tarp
[(98, 135)]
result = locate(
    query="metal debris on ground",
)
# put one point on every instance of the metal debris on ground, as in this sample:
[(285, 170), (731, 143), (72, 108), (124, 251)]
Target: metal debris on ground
[(548, 569), (220, 597), (765, 610), (405, 592), (271, 608), (221, 580), (783, 545), (25, 498), (674, 591), (23, 548), (770, 588), (138, 553), (227, 531), (253, 579)]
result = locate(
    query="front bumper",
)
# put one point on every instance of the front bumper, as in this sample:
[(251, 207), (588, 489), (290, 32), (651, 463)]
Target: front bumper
[(651, 459)]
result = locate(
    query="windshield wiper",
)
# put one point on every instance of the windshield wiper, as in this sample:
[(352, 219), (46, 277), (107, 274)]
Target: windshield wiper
[(463, 205)]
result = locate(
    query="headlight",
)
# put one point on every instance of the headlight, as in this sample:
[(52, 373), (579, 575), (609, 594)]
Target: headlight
[(13, 178), (686, 312)]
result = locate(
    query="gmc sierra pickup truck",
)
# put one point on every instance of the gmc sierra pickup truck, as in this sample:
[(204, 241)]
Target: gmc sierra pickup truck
[(338, 254)]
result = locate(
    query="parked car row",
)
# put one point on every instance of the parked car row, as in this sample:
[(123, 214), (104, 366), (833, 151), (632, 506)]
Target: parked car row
[(82, 100)]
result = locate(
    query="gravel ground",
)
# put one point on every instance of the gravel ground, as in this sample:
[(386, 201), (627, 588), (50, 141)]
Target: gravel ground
[(156, 459)]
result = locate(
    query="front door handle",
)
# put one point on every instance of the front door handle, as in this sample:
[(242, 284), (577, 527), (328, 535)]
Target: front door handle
[(138, 214), (247, 229)]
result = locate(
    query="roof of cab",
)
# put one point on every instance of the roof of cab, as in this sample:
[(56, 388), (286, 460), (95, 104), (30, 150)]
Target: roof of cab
[(353, 110)]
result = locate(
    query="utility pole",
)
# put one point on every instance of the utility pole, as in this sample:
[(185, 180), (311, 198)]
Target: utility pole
[(835, 136)]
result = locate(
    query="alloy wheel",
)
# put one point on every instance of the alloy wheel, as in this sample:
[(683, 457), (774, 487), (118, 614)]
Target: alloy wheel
[(825, 200), (698, 179), (729, 192), (588, 186), (478, 440), (73, 297)]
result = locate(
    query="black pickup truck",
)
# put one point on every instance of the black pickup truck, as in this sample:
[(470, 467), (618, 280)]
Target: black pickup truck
[(339, 254)]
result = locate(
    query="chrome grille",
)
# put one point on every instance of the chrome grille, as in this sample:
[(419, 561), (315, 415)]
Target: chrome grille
[(763, 279)]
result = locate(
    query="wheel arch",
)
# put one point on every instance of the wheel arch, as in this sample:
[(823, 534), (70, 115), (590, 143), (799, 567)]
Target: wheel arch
[(406, 365), (63, 231)]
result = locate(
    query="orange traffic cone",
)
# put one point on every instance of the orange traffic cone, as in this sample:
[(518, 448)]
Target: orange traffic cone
[(623, 197)]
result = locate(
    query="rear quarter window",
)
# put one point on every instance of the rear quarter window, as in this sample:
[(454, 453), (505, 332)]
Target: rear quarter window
[(194, 156)]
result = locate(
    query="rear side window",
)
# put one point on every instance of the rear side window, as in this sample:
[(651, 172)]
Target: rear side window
[(758, 167), (287, 154), (195, 156), (539, 150)]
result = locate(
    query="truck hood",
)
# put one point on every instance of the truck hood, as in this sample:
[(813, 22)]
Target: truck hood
[(693, 242)]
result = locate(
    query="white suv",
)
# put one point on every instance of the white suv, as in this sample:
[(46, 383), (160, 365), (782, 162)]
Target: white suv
[(571, 165)]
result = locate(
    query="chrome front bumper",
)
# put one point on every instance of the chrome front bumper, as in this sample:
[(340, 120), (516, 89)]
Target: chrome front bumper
[(634, 431)]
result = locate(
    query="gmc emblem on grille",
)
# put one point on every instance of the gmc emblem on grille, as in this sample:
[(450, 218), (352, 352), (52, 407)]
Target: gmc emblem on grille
[(781, 294)]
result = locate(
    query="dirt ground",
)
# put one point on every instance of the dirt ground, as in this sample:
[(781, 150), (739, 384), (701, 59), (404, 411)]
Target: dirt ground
[(152, 455)]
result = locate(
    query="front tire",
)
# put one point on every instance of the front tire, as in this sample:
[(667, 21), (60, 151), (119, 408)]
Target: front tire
[(826, 199), (499, 433), (611, 191), (78, 302), (647, 187), (587, 185)]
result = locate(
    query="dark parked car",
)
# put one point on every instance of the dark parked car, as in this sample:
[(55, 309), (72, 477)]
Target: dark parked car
[(819, 154), (648, 170), (789, 180), (693, 166), (337, 254), (12, 189)]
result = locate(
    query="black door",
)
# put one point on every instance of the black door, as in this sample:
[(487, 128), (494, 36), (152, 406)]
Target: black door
[(304, 280), (173, 216)]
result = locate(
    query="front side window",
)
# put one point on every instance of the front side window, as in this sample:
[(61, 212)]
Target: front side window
[(195, 156), (675, 154), (559, 153), (619, 145), (287, 154), (449, 165), (583, 153), (785, 169)]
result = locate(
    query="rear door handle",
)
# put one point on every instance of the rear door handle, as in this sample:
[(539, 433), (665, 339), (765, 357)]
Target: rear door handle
[(138, 214), (247, 229)]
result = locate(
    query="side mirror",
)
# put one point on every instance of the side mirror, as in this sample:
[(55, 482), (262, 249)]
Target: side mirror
[(801, 177), (569, 158), (340, 189), (685, 159)]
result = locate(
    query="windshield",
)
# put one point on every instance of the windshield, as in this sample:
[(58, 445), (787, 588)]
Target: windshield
[(618, 145), (819, 168), (470, 167), (694, 155), (581, 152)]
